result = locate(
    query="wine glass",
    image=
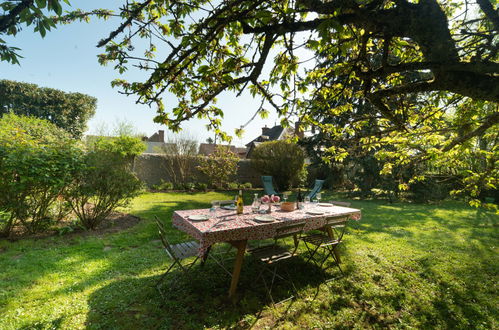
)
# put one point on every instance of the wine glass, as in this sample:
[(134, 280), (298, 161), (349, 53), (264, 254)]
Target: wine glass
[(318, 197), (285, 197)]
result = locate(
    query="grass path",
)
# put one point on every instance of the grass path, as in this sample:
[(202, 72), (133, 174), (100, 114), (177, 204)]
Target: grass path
[(406, 265)]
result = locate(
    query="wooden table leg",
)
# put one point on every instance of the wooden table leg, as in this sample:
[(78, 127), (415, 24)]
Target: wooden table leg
[(238, 263), (205, 256), (330, 232)]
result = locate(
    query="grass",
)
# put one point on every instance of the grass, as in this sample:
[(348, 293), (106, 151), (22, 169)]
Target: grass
[(406, 266)]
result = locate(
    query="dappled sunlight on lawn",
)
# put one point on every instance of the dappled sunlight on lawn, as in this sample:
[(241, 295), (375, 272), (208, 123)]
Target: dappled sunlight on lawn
[(405, 265)]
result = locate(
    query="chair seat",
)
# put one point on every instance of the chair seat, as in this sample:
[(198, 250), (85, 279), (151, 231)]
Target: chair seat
[(271, 253), (320, 240), (185, 250)]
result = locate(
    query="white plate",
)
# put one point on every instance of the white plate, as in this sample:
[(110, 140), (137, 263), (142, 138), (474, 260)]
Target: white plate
[(228, 207), (264, 218), (314, 212), (199, 217), (325, 204)]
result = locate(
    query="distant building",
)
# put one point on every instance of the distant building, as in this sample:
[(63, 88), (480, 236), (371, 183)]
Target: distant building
[(272, 134), (209, 148), (155, 142)]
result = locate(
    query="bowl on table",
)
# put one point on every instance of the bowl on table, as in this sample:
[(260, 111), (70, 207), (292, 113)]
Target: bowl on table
[(288, 206)]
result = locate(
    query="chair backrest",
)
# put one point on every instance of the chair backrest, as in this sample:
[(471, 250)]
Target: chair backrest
[(268, 185), (317, 188), (162, 236), (289, 230), (345, 204)]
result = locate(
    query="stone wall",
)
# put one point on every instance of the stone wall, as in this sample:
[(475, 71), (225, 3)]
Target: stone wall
[(150, 168)]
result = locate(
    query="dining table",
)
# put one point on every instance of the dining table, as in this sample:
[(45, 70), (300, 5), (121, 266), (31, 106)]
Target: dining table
[(237, 229)]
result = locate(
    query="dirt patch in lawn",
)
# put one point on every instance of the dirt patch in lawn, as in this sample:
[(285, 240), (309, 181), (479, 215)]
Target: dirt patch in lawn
[(114, 223)]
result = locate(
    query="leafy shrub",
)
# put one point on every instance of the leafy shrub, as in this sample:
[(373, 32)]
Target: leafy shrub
[(233, 185), (283, 160), (37, 163), (104, 183), (127, 147), (189, 186), (201, 186), (219, 166), (246, 185), (164, 185)]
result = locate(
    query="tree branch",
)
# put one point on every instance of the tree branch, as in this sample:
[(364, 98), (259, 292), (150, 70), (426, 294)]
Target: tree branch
[(488, 122), (490, 12), (123, 25), (8, 20)]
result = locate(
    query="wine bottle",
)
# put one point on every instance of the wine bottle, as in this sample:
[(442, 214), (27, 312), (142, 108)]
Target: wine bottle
[(240, 204), (299, 200)]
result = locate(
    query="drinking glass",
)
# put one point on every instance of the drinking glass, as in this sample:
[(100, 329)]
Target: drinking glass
[(285, 196), (318, 197), (307, 202), (213, 209)]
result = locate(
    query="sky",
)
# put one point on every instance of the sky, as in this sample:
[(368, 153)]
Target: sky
[(66, 59)]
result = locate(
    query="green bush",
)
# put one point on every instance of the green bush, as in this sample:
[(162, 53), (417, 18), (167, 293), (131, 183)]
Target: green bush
[(201, 186), (164, 185), (219, 166), (37, 163), (283, 160), (233, 185), (104, 183), (246, 185), (189, 186)]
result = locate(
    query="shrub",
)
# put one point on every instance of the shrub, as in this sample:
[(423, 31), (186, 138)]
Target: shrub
[(104, 183), (246, 185), (219, 166), (201, 186), (233, 185), (164, 185), (37, 163), (189, 186), (283, 160)]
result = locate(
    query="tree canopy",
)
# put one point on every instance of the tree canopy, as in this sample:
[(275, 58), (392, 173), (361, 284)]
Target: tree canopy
[(69, 111), (428, 69)]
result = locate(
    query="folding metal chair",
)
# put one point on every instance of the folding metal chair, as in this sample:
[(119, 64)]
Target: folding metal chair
[(268, 185), (270, 256), (177, 253), (316, 189), (328, 243)]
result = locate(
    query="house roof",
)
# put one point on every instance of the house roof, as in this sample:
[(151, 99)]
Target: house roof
[(268, 134), (209, 148)]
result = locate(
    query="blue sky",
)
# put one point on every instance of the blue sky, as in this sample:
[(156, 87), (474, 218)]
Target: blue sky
[(66, 59)]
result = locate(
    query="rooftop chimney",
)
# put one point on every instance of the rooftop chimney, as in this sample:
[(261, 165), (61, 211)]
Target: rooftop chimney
[(265, 130), (161, 135)]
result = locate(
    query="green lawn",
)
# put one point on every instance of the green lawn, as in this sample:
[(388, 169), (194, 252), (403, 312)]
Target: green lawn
[(406, 265)]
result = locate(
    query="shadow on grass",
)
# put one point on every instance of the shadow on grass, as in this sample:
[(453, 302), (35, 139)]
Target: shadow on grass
[(197, 300)]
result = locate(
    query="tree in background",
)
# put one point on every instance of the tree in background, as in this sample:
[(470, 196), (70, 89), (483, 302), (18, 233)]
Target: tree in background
[(451, 45), (284, 160), (178, 154), (219, 166), (69, 111)]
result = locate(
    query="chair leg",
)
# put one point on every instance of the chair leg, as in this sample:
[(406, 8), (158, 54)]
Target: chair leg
[(167, 271)]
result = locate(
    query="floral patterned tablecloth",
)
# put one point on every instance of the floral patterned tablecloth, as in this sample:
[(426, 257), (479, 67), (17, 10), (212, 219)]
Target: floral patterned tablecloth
[(232, 227)]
